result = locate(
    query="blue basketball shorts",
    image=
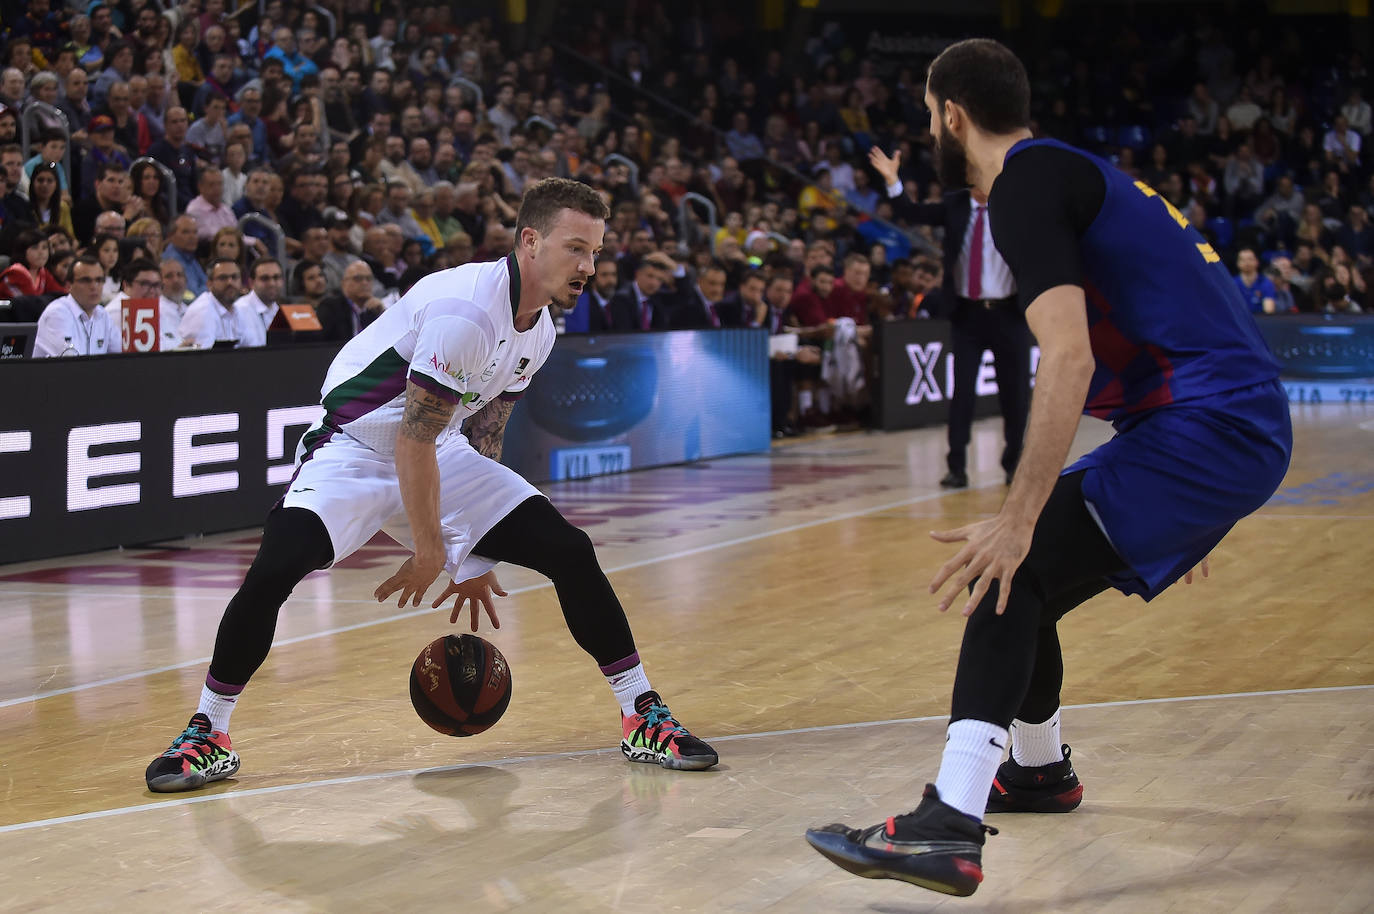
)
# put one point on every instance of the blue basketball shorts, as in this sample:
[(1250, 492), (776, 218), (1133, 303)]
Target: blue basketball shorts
[(1174, 481)]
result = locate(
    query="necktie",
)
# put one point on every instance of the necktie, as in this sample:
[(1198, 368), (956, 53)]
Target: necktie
[(645, 318), (975, 255), (715, 319)]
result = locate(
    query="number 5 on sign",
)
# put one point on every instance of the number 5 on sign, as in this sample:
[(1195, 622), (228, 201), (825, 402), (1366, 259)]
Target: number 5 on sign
[(140, 328)]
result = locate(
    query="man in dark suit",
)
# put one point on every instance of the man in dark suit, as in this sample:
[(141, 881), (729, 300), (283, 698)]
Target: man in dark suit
[(745, 307), (592, 313), (983, 314), (700, 305), (345, 313), (638, 306)]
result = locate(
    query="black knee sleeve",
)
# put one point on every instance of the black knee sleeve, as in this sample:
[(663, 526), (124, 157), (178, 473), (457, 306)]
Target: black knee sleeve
[(294, 543)]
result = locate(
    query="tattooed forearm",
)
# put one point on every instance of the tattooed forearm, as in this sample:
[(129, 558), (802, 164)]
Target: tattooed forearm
[(486, 430), (426, 414)]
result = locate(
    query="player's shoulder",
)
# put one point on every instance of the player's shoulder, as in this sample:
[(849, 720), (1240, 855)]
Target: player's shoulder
[(473, 291), (1044, 165)]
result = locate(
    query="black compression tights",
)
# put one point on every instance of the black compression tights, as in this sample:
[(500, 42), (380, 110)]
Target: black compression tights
[(1010, 666), (534, 535)]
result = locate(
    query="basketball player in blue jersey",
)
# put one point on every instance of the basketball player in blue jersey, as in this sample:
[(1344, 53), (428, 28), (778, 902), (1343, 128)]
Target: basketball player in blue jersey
[(415, 412), (1139, 323)]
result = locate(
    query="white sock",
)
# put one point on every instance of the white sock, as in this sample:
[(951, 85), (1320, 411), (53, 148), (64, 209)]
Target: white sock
[(1037, 744), (973, 750), (217, 707), (804, 401), (628, 685)]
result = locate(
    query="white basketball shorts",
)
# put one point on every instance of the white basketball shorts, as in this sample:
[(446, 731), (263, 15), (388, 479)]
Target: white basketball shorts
[(354, 490)]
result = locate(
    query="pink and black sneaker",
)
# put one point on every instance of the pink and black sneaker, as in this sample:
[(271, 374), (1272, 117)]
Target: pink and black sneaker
[(196, 758)]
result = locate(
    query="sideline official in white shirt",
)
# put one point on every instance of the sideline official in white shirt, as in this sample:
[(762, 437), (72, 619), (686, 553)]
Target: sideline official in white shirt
[(212, 317), (256, 310), (75, 324)]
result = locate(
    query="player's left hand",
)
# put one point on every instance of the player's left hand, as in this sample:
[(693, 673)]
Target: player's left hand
[(993, 550), (473, 591)]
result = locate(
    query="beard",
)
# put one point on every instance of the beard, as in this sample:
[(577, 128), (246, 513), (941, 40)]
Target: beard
[(951, 161)]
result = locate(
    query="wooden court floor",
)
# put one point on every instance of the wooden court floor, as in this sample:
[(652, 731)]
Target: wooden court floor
[(1224, 732)]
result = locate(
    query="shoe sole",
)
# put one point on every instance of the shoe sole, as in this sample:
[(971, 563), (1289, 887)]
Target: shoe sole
[(1067, 801), (650, 757), (853, 858), (177, 783)]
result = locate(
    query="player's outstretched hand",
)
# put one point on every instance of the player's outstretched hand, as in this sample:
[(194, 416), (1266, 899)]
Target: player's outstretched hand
[(412, 581), (1206, 570), (993, 550), (473, 591), (885, 165)]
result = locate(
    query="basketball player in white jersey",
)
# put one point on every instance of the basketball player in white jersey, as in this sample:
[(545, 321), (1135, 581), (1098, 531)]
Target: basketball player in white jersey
[(416, 407)]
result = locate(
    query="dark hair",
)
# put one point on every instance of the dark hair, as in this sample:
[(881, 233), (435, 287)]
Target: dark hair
[(22, 242), (820, 268), (261, 262), (550, 196), (138, 265), (987, 80), (50, 135)]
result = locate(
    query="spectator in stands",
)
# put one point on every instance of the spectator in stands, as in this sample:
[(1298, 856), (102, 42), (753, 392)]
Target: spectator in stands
[(112, 192), (219, 83), (255, 310), (1203, 109), (75, 324), (308, 283), (15, 210), (639, 305), (103, 151), (120, 66), (1243, 180), (229, 244), (1285, 295), (212, 318), (181, 247), (397, 210), (175, 297), (28, 273), (152, 110), (208, 208), (207, 135), (52, 146), (1243, 112), (345, 313), (174, 152), (1356, 236), (1335, 292), (149, 231), (1312, 229), (300, 210), (1356, 111), (1257, 290), (185, 60), (339, 255), (1342, 145), (1282, 209), (46, 205), (249, 98)]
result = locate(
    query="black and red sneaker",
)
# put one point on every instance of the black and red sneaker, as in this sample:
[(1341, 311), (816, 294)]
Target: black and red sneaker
[(1039, 788), (936, 847)]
